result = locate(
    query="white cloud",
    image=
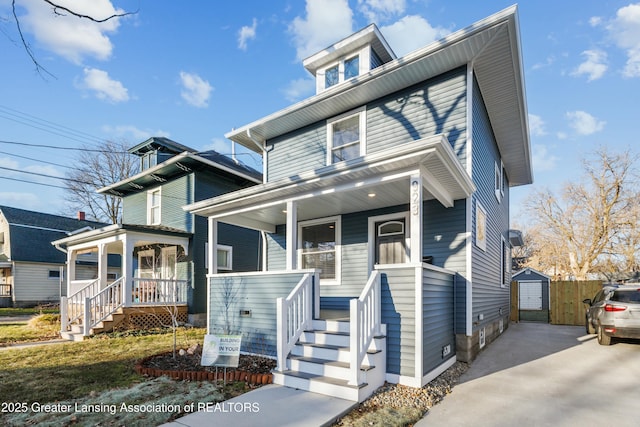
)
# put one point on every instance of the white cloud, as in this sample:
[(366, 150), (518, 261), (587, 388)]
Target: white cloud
[(410, 33), (326, 22), (625, 30), (69, 36), (562, 135), (104, 86), (536, 125), (542, 159), (594, 66), (595, 21), (133, 132), (6, 162), (299, 89), (20, 200), (584, 123), (44, 170), (247, 33), (219, 145), (381, 10), (195, 90)]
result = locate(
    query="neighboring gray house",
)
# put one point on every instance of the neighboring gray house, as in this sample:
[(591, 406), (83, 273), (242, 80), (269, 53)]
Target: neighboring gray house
[(162, 247), (385, 205), (30, 268), (533, 295)]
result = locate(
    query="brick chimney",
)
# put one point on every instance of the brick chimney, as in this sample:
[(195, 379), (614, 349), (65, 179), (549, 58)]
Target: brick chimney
[(81, 215)]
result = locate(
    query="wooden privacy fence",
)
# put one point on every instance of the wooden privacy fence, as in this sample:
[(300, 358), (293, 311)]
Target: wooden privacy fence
[(566, 306)]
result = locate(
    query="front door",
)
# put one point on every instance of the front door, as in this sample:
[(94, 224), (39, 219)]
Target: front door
[(390, 242)]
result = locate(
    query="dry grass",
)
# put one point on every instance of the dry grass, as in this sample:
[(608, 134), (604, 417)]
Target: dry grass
[(39, 328)]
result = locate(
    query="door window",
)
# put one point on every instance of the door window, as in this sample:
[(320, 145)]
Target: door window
[(391, 245)]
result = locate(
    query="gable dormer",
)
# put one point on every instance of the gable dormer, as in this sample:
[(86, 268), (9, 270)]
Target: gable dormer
[(156, 150), (349, 58)]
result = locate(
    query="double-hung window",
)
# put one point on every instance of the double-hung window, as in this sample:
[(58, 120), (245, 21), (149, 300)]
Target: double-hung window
[(346, 137), (319, 247), (342, 71), (153, 206)]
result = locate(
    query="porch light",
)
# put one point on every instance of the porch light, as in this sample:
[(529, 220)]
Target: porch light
[(371, 195)]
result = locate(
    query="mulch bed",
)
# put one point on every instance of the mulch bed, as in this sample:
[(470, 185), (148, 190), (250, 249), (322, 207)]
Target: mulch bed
[(186, 366)]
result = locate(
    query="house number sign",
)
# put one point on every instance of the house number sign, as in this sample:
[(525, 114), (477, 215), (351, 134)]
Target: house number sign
[(415, 197)]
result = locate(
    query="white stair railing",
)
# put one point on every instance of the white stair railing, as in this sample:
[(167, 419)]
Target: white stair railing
[(365, 324), (294, 316), (99, 306), (148, 291), (74, 304)]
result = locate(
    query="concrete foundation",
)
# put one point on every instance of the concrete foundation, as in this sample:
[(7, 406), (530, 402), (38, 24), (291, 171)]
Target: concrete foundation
[(468, 347)]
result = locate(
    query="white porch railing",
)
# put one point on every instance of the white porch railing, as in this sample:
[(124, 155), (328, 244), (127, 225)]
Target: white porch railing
[(101, 305), (73, 306), (294, 316), (365, 324), (158, 291)]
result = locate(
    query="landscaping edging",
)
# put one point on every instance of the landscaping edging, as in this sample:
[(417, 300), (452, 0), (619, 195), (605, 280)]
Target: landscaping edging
[(232, 375)]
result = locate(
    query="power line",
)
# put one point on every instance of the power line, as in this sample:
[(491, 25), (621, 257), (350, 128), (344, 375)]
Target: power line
[(47, 176), (36, 160), (55, 147), (33, 182)]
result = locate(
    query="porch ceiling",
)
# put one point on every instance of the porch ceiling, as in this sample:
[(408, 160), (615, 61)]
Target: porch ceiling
[(374, 181)]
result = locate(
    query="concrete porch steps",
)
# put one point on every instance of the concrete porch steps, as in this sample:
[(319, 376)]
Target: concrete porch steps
[(320, 363)]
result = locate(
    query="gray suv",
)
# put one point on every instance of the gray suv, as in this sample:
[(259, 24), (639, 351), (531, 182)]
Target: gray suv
[(614, 313)]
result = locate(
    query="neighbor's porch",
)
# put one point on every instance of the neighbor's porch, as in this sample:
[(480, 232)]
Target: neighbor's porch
[(153, 277)]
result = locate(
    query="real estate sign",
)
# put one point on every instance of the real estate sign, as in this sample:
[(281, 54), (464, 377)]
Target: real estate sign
[(221, 350)]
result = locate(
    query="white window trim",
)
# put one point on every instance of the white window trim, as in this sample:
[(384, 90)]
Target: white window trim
[(497, 182), (505, 267), (150, 206), (371, 244), (362, 116), (338, 224), (164, 260), (229, 253), (502, 178), (145, 253), (364, 59), (53, 278)]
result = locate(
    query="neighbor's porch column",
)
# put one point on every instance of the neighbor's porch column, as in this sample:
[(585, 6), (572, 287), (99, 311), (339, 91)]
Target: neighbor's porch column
[(102, 264), (415, 217), (212, 253), (71, 268), (292, 235), (127, 270)]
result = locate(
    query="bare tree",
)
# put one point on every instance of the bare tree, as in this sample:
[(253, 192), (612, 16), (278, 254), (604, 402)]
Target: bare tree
[(95, 169), (584, 225), (57, 10)]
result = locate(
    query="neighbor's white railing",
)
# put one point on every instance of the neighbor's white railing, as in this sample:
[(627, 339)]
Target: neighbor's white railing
[(158, 291), (365, 324), (101, 305), (294, 316), (72, 307)]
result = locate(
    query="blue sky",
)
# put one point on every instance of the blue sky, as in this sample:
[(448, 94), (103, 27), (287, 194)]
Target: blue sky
[(192, 71)]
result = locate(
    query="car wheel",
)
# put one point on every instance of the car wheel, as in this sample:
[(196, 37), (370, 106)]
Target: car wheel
[(588, 326), (603, 339)]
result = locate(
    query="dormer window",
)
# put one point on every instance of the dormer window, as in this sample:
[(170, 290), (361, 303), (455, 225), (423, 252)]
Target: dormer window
[(342, 71)]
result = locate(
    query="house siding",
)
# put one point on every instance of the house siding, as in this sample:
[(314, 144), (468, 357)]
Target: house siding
[(437, 318), (399, 314), (490, 298), (257, 293), (436, 106), (5, 248), (35, 284)]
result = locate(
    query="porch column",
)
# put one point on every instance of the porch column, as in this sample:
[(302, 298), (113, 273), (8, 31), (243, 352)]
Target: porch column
[(212, 253), (415, 217), (292, 235), (102, 264), (71, 269), (127, 270)]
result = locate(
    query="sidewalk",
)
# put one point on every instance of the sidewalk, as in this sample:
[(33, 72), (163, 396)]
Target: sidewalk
[(271, 405)]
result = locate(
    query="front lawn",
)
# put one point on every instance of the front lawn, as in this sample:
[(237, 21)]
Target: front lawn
[(39, 328), (97, 373)]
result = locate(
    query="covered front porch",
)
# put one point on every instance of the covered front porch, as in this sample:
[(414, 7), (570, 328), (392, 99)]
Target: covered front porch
[(350, 239), (154, 271)]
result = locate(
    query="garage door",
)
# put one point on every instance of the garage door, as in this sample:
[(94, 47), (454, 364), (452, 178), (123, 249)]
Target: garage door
[(530, 295)]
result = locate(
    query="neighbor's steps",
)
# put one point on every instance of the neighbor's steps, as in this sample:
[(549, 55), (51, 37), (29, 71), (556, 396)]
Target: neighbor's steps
[(320, 361)]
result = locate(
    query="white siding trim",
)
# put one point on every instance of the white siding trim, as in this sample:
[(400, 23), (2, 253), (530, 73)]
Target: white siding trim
[(469, 204)]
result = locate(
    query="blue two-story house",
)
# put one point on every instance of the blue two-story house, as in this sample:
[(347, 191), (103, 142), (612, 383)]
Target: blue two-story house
[(161, 246), (385, 211)]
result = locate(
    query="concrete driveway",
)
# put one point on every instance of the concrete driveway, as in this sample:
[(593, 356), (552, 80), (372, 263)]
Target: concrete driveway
[(546, 375)]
